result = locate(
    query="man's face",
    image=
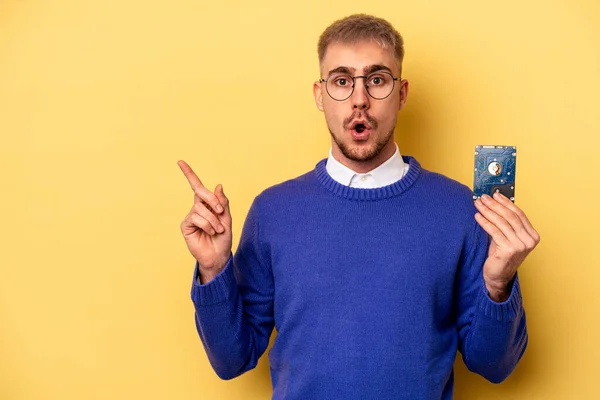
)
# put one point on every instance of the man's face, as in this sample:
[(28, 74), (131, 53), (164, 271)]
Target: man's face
[(361, 127)]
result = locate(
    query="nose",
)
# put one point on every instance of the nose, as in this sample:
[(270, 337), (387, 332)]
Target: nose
[(360, 98)]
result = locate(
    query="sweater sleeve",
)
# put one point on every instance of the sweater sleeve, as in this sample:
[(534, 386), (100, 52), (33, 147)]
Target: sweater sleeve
[(234, 311), (492, 336)]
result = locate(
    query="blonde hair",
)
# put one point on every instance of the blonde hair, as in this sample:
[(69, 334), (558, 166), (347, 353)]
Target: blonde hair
[(358, 27)]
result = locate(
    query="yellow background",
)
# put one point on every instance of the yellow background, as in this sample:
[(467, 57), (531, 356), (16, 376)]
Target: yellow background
[(99, 99)]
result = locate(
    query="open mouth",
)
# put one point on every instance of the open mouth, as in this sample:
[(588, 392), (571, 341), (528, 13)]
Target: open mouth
[(360, 131), (360, 128)]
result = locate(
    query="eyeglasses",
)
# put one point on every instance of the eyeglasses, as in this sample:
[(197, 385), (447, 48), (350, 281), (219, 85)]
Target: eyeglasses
[(379, 85)]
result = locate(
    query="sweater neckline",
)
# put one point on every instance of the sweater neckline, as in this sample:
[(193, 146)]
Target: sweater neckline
[(384, 192)]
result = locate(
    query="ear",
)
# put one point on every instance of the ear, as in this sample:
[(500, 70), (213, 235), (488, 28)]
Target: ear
[(318, 93), (403, 93)]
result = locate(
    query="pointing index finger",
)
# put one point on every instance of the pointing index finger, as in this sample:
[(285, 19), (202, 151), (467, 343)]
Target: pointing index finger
[(190, 175), (200, 191)]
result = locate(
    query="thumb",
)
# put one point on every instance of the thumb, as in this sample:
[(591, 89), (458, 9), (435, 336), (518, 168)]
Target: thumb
[(223, 200)]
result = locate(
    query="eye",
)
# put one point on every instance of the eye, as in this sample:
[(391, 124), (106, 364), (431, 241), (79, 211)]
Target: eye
[(342, 81), (377, 80)]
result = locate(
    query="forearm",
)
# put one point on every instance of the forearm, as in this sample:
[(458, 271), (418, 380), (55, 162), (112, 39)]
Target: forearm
[(228, 344), (497, 337), (231, 342)]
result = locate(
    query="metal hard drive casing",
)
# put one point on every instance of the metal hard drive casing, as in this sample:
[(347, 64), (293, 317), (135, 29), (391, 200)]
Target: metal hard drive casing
[(495, 171)]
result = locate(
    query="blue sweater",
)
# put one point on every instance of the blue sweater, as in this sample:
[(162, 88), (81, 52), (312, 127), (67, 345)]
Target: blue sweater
[(371, 291)]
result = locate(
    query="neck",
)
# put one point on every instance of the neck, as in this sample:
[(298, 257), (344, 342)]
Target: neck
[(365, 166)]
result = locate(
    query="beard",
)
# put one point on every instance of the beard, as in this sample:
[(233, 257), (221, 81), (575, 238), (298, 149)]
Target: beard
[(362, 153)]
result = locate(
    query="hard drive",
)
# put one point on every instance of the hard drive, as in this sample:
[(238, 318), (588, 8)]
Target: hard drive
[(495, 171)]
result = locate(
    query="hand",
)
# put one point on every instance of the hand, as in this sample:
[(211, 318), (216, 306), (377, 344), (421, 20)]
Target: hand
[(207, 227), (513, 238)]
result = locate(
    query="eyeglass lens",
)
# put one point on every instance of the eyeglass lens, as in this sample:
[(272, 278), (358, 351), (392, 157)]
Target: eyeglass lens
[(378, 84)]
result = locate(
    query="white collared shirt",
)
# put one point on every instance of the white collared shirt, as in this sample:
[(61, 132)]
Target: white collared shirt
[(392, 170)]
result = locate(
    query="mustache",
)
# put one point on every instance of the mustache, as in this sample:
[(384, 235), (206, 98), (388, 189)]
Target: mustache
[(359, 115)]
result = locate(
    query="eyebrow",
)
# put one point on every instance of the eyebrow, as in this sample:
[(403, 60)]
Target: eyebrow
[(376, 67), (366, 70), (341, 70)]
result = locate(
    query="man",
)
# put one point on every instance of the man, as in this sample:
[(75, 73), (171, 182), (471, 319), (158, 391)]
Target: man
[(373, 270)]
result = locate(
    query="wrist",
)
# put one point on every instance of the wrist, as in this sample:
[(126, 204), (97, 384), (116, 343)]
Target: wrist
[(498, 291), (205, 277), (207, 274), (498, 294)]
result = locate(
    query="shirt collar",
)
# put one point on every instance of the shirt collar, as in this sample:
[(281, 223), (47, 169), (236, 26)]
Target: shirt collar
[(387, 173)]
